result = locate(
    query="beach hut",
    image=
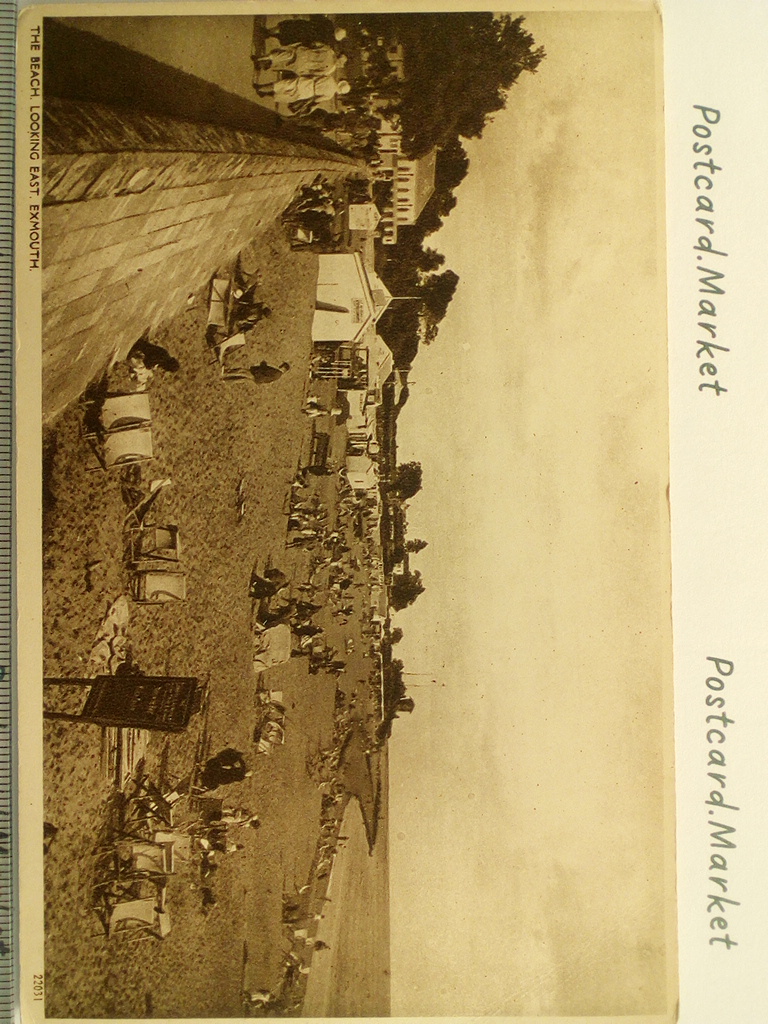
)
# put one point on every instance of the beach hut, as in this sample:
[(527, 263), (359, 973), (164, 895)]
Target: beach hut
[(363, 217)]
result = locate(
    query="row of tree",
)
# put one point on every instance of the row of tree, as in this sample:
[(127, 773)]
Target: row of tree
[(458, 70), (458, 67), (444, 98)]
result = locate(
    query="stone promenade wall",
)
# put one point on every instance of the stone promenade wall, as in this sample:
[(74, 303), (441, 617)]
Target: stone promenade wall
[(139, 212)]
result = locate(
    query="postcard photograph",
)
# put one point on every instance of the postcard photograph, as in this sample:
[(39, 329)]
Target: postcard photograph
[(355, 668)]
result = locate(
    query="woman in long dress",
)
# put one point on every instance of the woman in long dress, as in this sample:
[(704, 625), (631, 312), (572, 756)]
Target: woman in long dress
[(305, 91)]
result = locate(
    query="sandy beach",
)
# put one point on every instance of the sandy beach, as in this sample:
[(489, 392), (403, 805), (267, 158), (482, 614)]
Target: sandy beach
[(209, 435)]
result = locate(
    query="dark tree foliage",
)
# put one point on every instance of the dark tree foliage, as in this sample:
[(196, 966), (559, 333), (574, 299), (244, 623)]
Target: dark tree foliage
[(444, 95), (438, 291), (430, 219), (397, 671), (394, 687), (398, 531), (428, 260), (379, 73), (399, 327), (452, 166), (404, 266), (398, 266), (407, 480), (408, 269), (458, 68), (406, 587), (414, 546), (444, 98)]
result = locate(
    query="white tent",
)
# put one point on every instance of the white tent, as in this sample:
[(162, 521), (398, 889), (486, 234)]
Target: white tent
[(271, 647)]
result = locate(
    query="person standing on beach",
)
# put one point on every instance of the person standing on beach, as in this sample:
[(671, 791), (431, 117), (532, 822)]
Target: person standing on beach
[(264, 373)]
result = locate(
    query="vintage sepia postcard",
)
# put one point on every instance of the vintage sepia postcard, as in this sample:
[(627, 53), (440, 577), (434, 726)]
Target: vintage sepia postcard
[(344, 535)]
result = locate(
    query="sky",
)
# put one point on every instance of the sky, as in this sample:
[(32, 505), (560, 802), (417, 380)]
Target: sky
[(528, 797)]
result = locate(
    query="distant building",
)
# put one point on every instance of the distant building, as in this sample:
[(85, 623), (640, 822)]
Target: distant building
[(361, 423), (363, 217), (413, 181), (349, 299), (389, 136), (382, 101), (381, 364), (379, 604), (414, 185), (394, 54)]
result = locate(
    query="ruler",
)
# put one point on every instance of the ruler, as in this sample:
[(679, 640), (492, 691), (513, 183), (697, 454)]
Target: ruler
[(8, 889)]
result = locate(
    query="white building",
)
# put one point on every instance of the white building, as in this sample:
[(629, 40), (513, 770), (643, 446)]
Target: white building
[(413, 181), (363, 217), (350, 299), (361, 423), (389, 137), (379, 604)]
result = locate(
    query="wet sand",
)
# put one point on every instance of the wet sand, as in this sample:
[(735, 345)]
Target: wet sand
[(351, 977)]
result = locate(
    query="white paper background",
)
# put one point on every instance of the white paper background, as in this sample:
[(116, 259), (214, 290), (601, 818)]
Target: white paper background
[(715, 55)]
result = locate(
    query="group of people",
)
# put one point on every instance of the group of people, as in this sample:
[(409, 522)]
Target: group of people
[(212, 837), (307, 64), (307, 516), (314, 408), (331, 557), (311, 218), (145, 357)]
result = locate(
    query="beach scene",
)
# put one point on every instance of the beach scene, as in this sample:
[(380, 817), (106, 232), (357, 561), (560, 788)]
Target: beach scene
[(355, 538)]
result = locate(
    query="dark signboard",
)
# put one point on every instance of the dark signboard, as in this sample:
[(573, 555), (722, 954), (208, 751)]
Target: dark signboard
[(165, 703)]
